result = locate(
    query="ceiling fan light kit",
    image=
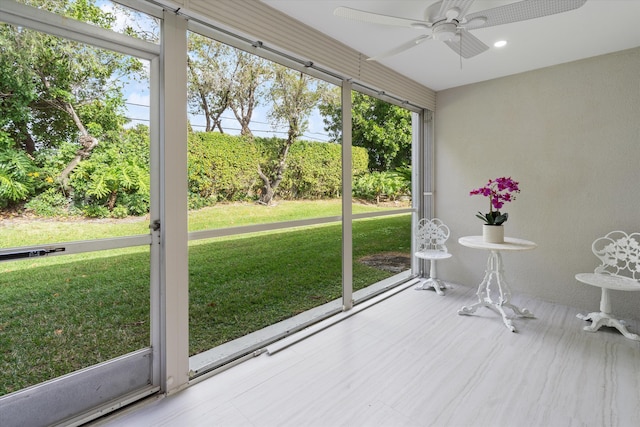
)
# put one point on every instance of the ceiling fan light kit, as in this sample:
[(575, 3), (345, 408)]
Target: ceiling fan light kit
[(444, 31), (448, 21)]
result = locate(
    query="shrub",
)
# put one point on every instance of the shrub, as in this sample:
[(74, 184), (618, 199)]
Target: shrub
[(117, 173), (196, 201), (359, 161), (376, 186), (48, 203), (225, 168), (221, 167), (120, 212), (96, 211), (18, 174), (137, 203), (314, 169)]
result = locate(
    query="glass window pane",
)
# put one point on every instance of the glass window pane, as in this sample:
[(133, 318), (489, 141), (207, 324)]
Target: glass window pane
[(381, 138), (241, 284), (381, 249), (257, 160), (65, 313), (106, 14)]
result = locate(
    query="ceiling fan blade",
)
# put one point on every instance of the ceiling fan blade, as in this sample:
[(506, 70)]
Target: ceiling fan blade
[(401, 48), (523, 10), (467, 45), (453, 9), (376, 18)]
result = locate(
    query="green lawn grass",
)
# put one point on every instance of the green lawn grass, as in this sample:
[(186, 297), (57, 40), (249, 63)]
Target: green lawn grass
[(39, 231), (64, 313)]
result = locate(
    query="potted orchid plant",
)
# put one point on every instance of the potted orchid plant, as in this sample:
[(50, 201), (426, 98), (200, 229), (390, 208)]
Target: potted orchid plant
[(499, 191)]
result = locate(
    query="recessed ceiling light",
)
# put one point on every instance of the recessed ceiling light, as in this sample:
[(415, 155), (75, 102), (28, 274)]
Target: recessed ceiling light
[(500, 43)]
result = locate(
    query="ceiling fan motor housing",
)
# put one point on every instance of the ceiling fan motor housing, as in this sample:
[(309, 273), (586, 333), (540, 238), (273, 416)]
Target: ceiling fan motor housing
[(444, 31)]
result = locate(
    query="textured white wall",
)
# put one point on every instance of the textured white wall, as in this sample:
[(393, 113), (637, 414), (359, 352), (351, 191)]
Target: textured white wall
[(570, 134)]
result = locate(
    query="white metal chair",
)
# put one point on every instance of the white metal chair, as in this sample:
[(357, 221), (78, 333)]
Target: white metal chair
[(620, 271), (431, 237)]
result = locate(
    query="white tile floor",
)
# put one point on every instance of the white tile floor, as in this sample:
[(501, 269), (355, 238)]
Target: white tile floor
[(411, 360)]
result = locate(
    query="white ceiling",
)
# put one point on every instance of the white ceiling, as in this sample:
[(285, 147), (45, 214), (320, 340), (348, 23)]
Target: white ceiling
[(598, 27)]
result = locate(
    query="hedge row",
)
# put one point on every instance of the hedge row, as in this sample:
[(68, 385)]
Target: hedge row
[(225, 168)]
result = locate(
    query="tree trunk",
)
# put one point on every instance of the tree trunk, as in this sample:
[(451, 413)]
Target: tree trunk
[(266, 198), (270, 186), (267, 191), (113, 197), (88, 144), (28, 144), (87, 141)]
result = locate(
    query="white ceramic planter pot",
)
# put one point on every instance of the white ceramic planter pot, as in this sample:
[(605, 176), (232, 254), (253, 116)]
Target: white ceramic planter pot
[(493, 233)]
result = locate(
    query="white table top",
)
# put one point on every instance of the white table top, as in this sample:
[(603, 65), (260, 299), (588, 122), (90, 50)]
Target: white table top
[(510, 244)]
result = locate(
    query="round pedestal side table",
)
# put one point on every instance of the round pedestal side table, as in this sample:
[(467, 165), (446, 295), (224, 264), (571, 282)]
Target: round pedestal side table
[(494, 277)]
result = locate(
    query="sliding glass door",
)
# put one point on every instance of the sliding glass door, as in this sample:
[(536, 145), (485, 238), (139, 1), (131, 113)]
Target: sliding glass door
[(78, 248)]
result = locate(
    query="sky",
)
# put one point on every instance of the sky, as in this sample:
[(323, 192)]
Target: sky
[(137, 97)]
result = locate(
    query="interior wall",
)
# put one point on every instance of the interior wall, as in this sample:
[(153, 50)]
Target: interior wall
[(570, 134)]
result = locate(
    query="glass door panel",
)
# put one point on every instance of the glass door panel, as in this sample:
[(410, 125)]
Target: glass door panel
[(382, 200), (381, 139), (75, 244), (242, 284), (66, 313), (381, 250), (265, 203)]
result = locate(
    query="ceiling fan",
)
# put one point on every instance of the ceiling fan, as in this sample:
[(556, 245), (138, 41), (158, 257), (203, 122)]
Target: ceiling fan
[(448, 21)]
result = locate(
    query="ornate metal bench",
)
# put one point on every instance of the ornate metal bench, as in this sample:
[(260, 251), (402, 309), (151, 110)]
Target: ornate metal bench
[(620, 271)]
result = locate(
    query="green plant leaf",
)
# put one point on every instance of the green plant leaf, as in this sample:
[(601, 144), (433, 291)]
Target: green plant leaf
[(493, 218), (482, 217)]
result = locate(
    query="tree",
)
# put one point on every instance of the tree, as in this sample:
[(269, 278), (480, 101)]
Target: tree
[(251, 73), (54, 90), (294, 95), (212, 67), (382, 128), (17, 92)]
